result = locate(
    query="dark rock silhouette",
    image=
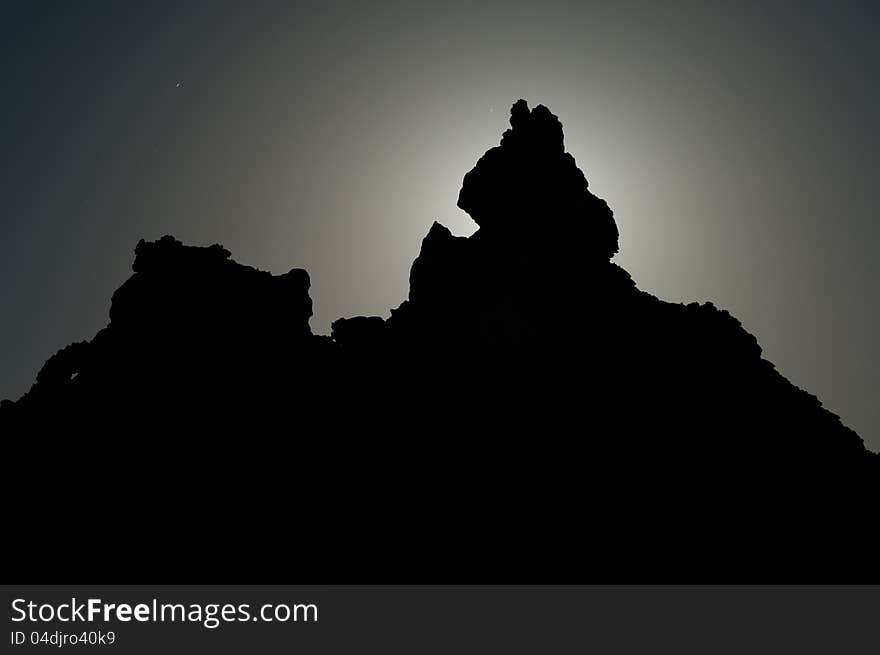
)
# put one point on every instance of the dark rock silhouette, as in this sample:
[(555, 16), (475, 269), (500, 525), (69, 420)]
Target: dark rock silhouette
[(527, 414), (530, 177), (190, 329)]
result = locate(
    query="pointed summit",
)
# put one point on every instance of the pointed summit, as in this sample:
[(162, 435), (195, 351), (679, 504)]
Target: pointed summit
[(529, 187), (536, 129)]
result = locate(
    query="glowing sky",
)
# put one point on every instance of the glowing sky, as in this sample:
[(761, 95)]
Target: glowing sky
[(736, 144)]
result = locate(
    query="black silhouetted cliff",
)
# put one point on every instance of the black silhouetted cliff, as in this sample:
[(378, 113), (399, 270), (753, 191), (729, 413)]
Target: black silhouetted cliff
[(526, 414), (190, 331)]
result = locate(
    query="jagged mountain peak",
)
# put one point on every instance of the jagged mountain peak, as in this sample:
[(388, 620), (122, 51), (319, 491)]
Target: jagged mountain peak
[(526, 394), (529, 189)]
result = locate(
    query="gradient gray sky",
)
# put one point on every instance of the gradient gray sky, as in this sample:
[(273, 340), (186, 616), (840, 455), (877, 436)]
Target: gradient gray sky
[(735, 142)]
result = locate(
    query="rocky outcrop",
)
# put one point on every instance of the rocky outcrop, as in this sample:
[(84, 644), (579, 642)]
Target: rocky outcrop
[(526, 413), (189, 331), (528, 188)]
